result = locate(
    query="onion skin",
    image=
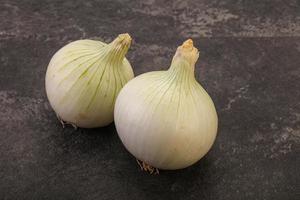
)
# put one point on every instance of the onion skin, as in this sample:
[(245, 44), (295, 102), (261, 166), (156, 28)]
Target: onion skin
[(84, 78), (165, 118)]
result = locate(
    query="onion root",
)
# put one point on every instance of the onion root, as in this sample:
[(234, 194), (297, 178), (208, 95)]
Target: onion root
[(145, 167)]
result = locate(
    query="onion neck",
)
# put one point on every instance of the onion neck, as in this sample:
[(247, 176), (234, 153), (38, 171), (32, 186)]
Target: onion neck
[(184, 60), (116, 50)]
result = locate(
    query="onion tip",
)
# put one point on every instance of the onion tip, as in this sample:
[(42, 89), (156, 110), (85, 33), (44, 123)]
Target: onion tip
[(125, 38), (188, 44)]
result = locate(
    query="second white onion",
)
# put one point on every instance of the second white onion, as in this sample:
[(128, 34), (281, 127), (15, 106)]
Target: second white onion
[(165, 118)]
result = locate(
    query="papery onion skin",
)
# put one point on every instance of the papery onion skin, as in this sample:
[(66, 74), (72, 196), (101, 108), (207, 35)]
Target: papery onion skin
[(84, 78), (165, 118)]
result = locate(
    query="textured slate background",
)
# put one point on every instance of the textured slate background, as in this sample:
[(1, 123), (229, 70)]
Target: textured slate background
[(249, 63)]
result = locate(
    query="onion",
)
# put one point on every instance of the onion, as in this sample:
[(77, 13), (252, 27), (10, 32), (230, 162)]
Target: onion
[(165, 118), (84, 78)]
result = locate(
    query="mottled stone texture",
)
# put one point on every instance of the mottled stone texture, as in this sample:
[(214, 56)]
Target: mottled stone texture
[(249, 63)]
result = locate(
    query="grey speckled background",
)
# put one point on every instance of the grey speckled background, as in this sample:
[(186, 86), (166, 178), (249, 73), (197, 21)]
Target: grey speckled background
[(250, 64)]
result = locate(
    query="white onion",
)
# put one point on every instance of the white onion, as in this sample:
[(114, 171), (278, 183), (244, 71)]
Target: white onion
[(165, 118), (84, 78)]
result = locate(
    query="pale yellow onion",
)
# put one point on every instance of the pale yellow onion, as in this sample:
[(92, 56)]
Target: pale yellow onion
[(165, 118), (84, 78)]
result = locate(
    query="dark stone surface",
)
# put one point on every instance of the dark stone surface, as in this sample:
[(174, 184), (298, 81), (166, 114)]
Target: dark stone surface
[(249, 63)]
